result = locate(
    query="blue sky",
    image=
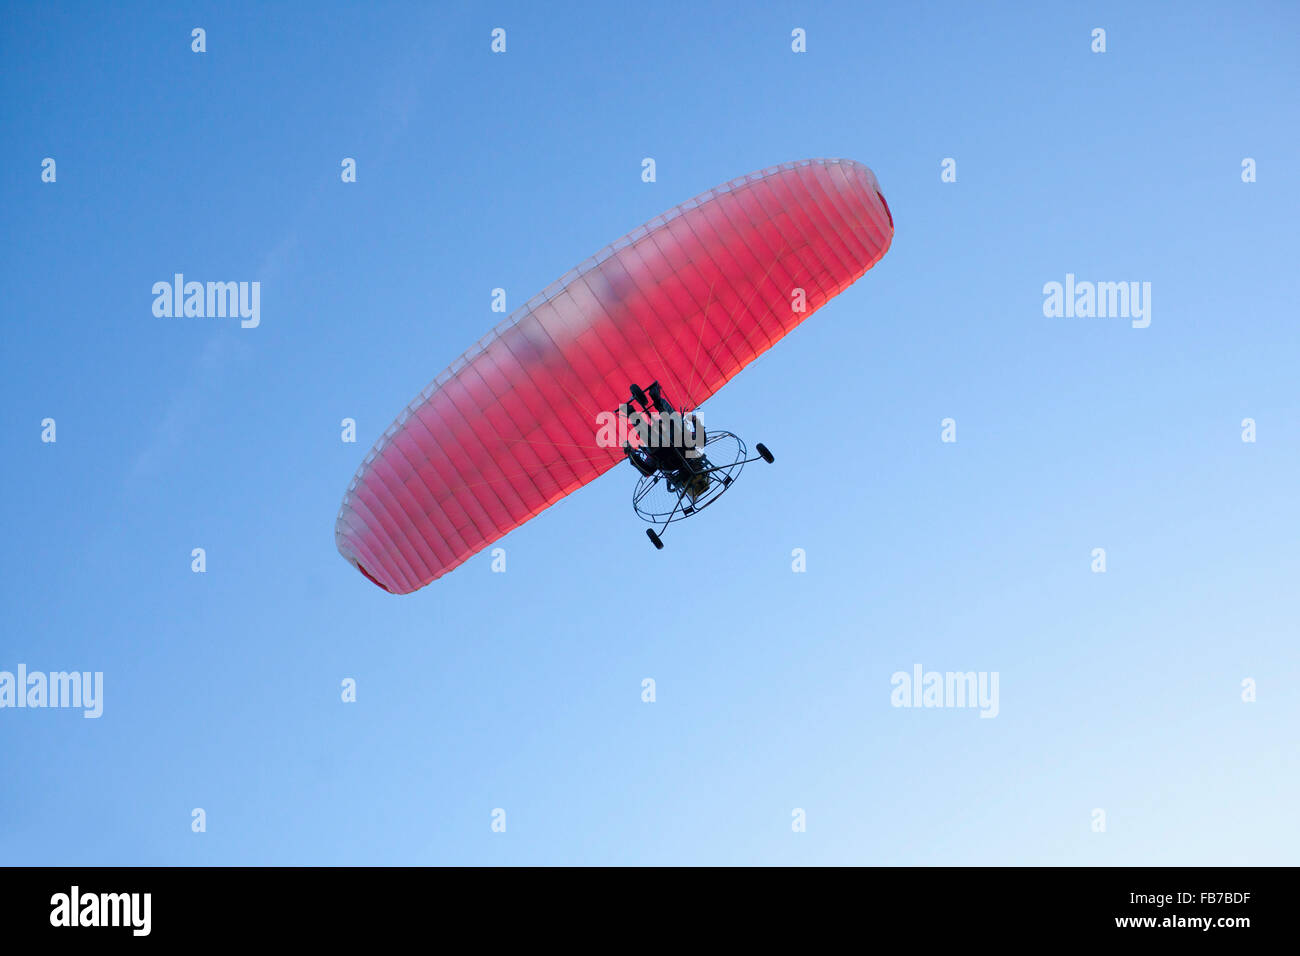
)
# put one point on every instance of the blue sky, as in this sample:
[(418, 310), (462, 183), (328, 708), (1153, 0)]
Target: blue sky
[(1119, 691)]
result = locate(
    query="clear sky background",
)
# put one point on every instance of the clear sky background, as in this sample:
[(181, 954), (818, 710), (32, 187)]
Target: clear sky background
[(1119, 691)]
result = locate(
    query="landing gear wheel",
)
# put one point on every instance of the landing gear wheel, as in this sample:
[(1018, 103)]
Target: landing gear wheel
[(666, 496), (654, 539), (763, 453)]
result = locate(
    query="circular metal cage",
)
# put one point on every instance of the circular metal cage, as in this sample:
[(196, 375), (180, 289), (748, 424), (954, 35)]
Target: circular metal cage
[(661, 499)]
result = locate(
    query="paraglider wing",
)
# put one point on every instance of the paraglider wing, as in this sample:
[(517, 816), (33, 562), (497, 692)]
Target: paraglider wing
[(687, 300)]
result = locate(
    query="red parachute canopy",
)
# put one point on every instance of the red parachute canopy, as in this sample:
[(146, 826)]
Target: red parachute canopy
[(687, 300)]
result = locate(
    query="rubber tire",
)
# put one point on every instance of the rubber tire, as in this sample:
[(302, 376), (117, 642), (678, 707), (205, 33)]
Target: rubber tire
[(763, 453), (654, 539)]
